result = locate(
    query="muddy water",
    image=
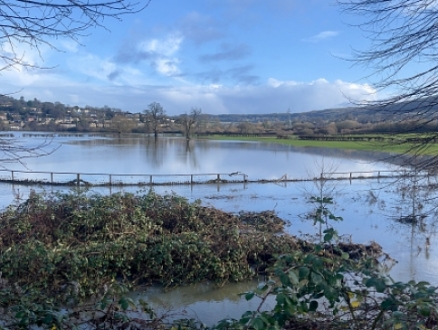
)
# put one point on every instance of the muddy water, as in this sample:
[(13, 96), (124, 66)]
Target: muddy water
[(203, 301)]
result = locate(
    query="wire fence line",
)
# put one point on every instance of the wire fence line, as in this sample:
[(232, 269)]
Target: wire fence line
[(112, 179)]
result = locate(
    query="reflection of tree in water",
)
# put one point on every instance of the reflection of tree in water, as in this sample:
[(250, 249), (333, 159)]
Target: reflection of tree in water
[(156, 151), (416, 208), (190, 154)]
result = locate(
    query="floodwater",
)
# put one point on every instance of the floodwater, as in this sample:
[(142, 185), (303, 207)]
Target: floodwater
[(372, 209), (137, 154)]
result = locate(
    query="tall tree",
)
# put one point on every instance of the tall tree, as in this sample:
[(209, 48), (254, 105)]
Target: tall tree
[(155, 115), (188, 121), (403, 57)]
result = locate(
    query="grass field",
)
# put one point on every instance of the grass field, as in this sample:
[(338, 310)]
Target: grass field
[(385, 146)]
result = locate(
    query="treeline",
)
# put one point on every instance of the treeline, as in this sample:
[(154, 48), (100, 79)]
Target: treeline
[(36, 115), (57, 110)]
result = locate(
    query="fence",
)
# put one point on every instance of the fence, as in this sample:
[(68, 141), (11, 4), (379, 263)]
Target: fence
[(106, 179)]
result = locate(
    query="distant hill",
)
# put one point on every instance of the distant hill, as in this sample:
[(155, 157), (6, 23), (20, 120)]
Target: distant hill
[(426, 108), (362, 115)]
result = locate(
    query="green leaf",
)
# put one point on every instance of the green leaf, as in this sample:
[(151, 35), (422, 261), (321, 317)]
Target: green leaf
[(303, 272), (280, 298), (293, 277), (389, 305), (316, 278), (124, 304), (313, 306), (249, 295), (48, 319), (258, 324), (285, 279), (377, 283), (20, 314), (328, 237)]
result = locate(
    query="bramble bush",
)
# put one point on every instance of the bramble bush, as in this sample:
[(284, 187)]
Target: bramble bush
[(68, 260)]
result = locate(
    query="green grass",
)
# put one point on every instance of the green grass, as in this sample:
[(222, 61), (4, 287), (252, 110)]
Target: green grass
[(387, 146)]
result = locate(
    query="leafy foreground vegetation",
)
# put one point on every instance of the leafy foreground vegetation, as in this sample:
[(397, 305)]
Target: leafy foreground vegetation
[(67, 261)]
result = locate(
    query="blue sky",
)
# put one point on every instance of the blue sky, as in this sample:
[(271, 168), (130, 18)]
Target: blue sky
[(223, 56)]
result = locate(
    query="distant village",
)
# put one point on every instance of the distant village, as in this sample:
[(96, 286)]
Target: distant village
[(36, 115)]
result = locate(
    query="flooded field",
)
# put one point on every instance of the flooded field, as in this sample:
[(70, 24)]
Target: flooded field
[(397, 213)]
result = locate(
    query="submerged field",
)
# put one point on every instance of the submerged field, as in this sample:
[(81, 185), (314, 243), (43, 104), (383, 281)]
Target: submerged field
[(396, 146)]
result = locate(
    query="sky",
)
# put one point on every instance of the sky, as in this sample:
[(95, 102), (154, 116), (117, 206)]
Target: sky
[(222, 56)]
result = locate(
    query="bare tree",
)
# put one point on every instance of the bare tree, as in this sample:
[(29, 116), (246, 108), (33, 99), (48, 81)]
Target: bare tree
[(40, 22), (37, 23), (403, 57), (188, 121), (155, 115)]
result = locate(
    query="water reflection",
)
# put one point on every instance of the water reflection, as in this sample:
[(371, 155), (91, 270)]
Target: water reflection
[(373, 210), (137, 154), (155, 151), (202, 301), (414, 219)]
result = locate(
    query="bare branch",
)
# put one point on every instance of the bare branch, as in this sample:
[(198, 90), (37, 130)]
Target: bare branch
[(40, 22), (155, 116), (402, 54), (37, 23), (188, 121)]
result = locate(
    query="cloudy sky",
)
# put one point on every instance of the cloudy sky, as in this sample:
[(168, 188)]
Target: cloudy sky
[(223, 56)]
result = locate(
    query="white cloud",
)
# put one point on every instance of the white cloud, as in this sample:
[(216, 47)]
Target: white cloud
[(70, 45), (324, 35), (23, 53), (164, 47), (127, 87), (93, 66), (158, 53), (167, 67), (106, 70)]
